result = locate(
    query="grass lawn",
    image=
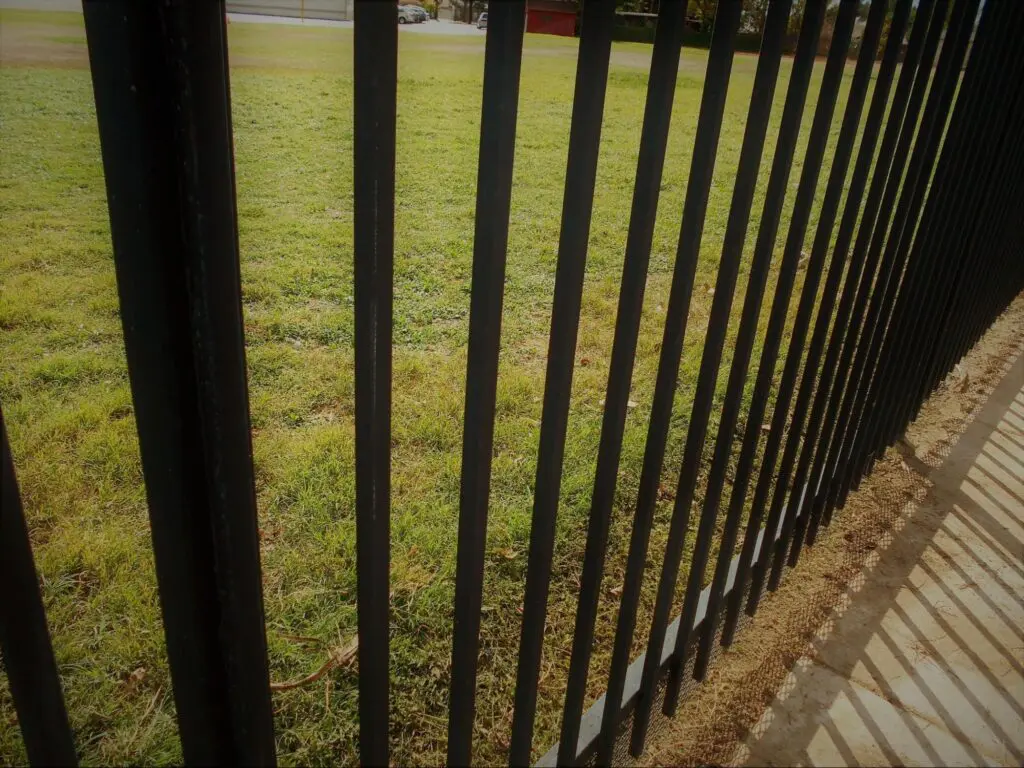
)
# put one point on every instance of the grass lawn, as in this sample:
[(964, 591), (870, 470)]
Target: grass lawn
[(64, 387)]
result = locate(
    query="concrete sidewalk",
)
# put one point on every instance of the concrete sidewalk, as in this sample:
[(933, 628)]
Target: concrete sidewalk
[(924, 663)]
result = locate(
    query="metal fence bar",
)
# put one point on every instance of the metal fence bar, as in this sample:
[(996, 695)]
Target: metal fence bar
[(869, 227), (743, 345), (895, 287), (375, 54), (653, 140), (933, 122), (893, 259), (577, 205), (780, 304), (714, 341), (967, 316), (810, 385), (985, 241), (908, 376), (954, 151), (947, 230), (960, 283), (676, 315), (973, 310), (979, 311), (973, 142), (937, 256), (767, 475), (24, 638), (502, 60), (705, 149), (590, 726), (160, 78)]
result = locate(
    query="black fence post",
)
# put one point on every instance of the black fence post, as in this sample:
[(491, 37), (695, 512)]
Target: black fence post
[(646, 190), (872, 231), (160, 77), (767, 475), (908, 207), (714, 342), (375, 47), (805, 309), (937, 256), (709, 125), (974, 141), (502, 60), (581, 175), (24, 637)]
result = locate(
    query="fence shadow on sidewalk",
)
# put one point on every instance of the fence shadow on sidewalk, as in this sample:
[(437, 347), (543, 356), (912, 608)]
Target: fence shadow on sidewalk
[(921, 660)]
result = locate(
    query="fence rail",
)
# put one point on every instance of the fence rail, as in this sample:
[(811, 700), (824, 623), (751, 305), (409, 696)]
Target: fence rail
[(927, 253)]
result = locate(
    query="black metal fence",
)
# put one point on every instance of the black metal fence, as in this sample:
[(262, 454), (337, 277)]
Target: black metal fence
[(927, 253)]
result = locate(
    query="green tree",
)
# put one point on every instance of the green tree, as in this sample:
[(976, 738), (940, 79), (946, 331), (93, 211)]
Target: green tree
[(796, 17), (752, 15), (703, 10), (638, 6)]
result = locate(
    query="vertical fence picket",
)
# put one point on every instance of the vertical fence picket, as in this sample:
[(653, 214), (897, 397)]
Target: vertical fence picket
[(709, 125), (811, 386), (806, 307), (973, 141), (375, 52), (714, 342), (653, 142), (581, 175), (814, 157), (502, 60), (160, 79), (946, 204), (947, 76), (24, 637), (807, 185), (873, 236), (991, 228), (879, 205), (935, 259)]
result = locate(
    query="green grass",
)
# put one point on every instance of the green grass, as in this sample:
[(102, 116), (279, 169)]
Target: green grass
[(64, 389)]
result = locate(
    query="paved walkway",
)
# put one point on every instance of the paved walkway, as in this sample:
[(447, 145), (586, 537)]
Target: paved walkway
[(924, 665)]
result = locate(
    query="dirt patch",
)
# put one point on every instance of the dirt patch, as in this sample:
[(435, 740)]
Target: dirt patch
[(710, 725), (42, 45)]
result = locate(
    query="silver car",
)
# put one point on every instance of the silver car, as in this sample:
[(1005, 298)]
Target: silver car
[(411, 14)]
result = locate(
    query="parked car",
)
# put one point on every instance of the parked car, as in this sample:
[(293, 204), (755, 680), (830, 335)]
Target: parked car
[(481, 23), (411, 14)]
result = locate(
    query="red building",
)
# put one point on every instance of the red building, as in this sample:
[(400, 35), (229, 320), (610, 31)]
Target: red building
[(551, 17)]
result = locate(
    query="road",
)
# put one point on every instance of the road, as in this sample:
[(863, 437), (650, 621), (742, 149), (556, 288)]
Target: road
[(426, 28), (432, 27)]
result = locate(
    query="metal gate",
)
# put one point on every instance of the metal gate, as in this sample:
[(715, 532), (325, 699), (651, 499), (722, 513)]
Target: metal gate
[(928, 251)]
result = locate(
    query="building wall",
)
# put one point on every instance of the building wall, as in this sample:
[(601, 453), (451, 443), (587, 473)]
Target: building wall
[(337, 10), (551, 22)]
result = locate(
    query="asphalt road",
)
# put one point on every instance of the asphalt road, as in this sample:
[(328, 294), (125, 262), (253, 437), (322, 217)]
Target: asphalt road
[(431, 27)]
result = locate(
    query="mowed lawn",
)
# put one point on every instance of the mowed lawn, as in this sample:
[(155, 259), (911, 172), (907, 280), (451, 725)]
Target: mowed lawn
[(66, 399)]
